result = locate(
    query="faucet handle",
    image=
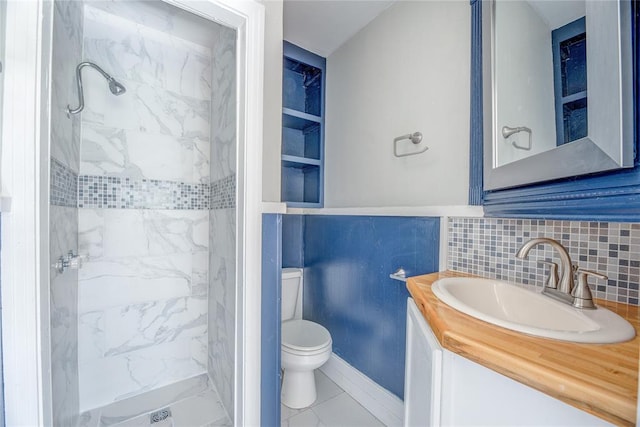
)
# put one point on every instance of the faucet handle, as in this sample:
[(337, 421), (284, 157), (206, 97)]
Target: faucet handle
[(583, 271), (582, 293), (552, 278)]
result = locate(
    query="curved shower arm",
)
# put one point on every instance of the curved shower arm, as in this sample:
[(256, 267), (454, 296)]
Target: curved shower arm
[(115, 87)]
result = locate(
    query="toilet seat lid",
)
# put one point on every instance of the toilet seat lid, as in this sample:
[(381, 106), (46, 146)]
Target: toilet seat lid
[(303, 335)]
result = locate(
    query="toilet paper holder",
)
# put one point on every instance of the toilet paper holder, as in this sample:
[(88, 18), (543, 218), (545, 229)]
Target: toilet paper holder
[(400, 274)]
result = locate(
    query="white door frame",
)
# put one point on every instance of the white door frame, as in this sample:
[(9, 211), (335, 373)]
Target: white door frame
[(25, 229), (24, 177)]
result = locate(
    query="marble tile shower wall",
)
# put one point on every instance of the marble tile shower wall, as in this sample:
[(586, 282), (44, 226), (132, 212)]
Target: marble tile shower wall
[(63, 218), (487, 247), (222, 220), (144, 219)]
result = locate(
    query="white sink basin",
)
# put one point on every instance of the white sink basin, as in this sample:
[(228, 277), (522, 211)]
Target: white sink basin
[(523, 310)]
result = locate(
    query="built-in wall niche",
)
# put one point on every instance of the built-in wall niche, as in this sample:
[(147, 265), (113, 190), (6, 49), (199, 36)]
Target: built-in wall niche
[(302, 87), (302, 127), (300, 183), (300, 138)]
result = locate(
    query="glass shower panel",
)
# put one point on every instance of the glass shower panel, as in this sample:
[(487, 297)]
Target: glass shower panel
[(3, 11), (156, 179), (143, 187), (63, 211), (2, 64)]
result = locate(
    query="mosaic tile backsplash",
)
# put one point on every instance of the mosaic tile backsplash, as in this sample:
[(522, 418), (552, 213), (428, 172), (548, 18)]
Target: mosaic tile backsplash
[(487, 247)]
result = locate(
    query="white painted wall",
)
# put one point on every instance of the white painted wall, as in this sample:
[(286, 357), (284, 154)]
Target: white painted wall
[(407, 71), (272, 100), (322, 27), (524, 71)]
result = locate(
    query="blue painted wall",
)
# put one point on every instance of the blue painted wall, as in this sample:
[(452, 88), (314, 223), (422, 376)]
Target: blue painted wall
[(347, 262), (270, 334), (292, 241)]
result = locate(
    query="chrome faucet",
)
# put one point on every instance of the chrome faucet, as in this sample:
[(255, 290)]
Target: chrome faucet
[(578, 296), (566, 279)]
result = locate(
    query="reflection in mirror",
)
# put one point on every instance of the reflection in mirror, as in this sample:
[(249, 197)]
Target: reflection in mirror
[(558, 89), (569, 46), (540, 65)]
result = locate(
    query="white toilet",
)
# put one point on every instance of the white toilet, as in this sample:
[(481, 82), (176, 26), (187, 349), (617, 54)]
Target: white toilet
[(305, 345)]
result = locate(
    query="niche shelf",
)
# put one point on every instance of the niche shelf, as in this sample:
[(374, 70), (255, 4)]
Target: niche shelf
[(303, 90), (569, 47)]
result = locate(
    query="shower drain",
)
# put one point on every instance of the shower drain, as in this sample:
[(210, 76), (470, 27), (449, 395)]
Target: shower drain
[(160, 415)]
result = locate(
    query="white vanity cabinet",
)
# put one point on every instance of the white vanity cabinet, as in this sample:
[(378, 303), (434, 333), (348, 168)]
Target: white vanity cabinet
[(423, 371), (443, 388)]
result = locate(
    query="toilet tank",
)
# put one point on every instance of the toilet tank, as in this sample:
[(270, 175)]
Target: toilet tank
[(291, 293)]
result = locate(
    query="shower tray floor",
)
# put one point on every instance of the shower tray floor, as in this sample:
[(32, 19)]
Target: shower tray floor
[(193, 402)]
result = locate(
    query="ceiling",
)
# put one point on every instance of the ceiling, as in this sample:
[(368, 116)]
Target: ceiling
[(322, 26), (559, 12)]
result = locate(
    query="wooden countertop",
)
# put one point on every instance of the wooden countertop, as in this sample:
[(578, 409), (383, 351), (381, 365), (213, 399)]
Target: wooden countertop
[(601, 379)]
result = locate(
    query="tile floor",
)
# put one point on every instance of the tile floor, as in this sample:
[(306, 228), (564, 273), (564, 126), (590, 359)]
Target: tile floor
[(193, 402), (333, 408)]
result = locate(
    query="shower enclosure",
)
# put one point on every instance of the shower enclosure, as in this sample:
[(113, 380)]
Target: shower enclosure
[(49, 341), (142, 215)]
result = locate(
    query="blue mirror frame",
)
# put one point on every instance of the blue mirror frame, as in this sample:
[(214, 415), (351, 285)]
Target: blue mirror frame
[(609, 196)]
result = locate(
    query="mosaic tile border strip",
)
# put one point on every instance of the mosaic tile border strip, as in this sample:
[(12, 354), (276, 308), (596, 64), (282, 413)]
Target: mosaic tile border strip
[(486, 247), (223, 193), (126, 193), (63, 185), (112, 192)]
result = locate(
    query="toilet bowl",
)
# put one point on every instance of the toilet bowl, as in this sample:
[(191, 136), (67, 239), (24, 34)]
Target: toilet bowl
[(305, 345)]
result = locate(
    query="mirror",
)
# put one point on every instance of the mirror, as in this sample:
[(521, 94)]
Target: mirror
[(558, 89)]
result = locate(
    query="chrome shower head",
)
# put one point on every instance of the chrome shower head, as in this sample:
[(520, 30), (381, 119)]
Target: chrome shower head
[(116, 87)]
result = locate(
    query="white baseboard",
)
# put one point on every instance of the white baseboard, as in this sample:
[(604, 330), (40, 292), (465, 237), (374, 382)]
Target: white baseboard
[(383, 404)]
